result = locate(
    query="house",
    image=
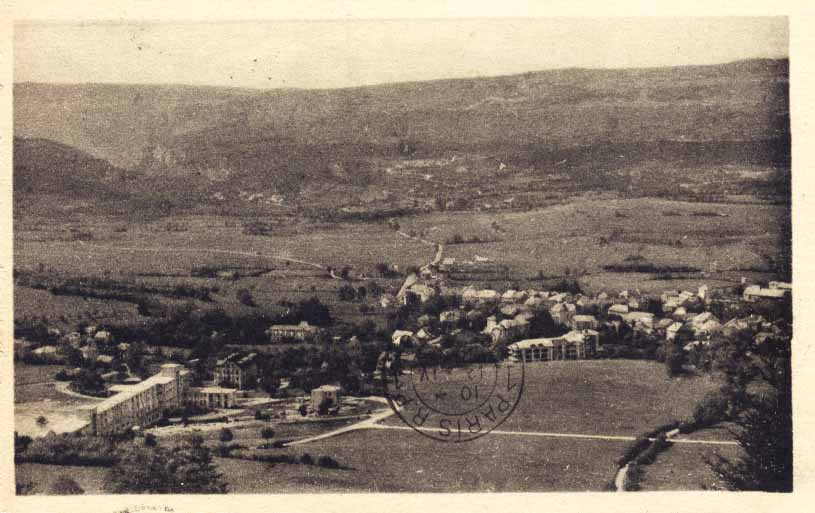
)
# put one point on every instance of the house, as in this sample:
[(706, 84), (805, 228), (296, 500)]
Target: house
[(47, 352), (507, 330), (104, 359), (283, 332), (401, 337), (680, 313), (211, 398), (450, 316), (672, 330), (74, 339), (21, 347), (423, 334), (89, 352), (469, 294), (514, 296), (330, 394), (237, 371), (488, 296), (642, 319), (754, 293), (618, 309), (103, 336), (562, 313), (584, 322), (418, 292)]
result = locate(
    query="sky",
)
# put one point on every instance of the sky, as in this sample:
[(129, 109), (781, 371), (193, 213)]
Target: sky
[(342, 53)]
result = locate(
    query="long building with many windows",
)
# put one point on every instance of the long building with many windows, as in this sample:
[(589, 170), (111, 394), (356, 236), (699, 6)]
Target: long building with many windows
[(142, 404)]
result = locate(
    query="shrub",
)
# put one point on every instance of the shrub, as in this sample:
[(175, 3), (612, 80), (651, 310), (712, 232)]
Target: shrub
[(631, 452), (306, 459), (711, 410), (226, 435), (649, 455), (64, 485), (327, 462)]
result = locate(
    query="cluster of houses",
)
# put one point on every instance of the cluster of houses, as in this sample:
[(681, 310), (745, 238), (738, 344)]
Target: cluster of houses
[(582, 317)]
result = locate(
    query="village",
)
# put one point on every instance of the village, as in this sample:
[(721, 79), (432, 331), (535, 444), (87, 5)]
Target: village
[(435, 324)]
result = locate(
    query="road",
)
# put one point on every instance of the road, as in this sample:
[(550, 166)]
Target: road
[(374, 423)]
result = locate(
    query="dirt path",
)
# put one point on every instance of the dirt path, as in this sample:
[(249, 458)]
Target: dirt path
[(202, 250), (365, 424), (62, 388)]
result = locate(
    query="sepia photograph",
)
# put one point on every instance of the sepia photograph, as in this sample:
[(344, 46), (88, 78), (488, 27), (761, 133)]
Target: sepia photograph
[(431, 255)]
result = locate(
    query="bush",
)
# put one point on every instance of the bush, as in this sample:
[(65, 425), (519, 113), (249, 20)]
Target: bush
[(226, 435), (711, 410), (150, 440), (306, 459), (649, 455), (64, 485), (327, 462), (267, 433), (634, 449)]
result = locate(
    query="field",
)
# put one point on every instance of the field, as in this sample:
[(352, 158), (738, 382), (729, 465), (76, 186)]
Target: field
[(579, 239), (35, 396), (610, 397), (403, 461), (588, 397), (685, 467)]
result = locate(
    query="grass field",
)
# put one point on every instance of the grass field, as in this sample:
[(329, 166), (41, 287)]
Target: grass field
[(611, 397), (91, 479), (580, 237), (403, 461), (685, 467)]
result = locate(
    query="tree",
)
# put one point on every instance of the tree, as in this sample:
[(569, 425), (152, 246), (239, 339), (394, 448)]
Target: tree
[(765, 436), (347, 293), (267, 433), (245, 297), (226, 435), (187, 468), (150, 440), (42, 421), (303, 409), (64, 485)]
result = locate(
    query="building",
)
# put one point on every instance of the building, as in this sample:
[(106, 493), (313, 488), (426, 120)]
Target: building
[(418, 293), (575, 345), (326, 392), (563, 313), (213, 397), (241, 372), (584, 322), (618, 309), (450, 316), (283, 332), (403, 337), (142, 404), (754, 293)]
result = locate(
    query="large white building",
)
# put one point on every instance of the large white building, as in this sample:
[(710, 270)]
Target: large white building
[(575, 345), (141, 404)]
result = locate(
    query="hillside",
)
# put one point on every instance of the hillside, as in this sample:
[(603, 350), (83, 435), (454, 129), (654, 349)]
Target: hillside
[(229, 141), (43, 166)]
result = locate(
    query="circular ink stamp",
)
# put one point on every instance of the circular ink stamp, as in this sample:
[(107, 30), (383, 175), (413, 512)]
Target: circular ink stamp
[(455, 404)]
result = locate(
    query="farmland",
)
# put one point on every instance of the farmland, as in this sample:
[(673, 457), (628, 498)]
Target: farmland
[(584, 239)]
